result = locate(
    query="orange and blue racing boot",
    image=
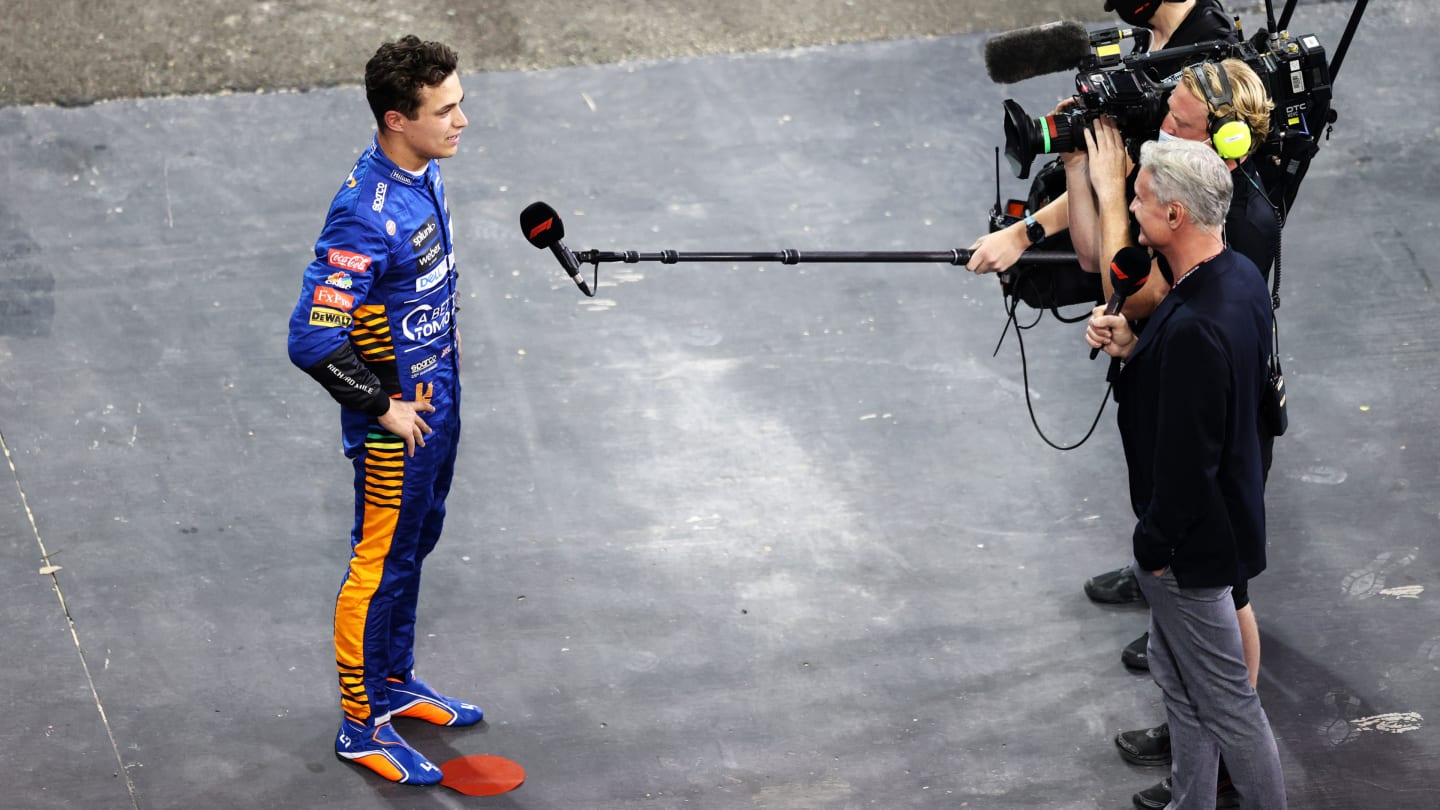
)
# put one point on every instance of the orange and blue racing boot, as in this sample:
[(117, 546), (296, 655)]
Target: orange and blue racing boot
[(412, 697), (381, 749)]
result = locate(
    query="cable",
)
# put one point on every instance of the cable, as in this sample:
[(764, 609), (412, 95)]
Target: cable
[(1280, 217), (1025, 377)]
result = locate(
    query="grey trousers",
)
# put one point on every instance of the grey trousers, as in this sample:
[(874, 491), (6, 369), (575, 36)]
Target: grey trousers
[(1198, 662)]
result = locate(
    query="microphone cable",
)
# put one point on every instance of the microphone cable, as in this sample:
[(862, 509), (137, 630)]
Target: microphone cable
[(1025, 375)]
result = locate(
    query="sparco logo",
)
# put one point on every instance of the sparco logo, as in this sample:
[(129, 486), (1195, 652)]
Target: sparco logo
[(379, 198), (424, 365), (345, 260), (422, 235), (425, 322)]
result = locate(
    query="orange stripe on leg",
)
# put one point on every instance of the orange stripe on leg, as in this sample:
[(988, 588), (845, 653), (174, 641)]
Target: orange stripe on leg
[(352, 607)]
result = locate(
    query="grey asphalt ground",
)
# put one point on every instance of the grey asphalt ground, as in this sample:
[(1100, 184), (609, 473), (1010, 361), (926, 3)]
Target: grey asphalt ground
[(76, 52), (732, 537)]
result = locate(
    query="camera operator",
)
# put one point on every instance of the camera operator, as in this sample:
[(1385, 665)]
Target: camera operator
[(1172, 23), (1208, 98), (1193, 457)]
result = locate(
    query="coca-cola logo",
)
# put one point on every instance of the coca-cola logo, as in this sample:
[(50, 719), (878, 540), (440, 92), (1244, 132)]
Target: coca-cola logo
[(345, 260)]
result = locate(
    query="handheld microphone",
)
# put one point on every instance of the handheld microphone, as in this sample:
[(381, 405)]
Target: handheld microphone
[(542, 228), (1129, 271), (1015, 56)]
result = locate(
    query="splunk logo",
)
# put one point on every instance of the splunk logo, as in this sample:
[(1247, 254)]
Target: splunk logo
[(422, 235), (426, 322)]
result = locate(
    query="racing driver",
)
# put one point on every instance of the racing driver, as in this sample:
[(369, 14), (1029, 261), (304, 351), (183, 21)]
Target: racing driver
[(375, 325)]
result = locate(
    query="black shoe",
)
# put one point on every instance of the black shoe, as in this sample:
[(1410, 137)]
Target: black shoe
[(1226, 796), (1114, 587), (1135, 655), (1146, 746), (1154, 797)]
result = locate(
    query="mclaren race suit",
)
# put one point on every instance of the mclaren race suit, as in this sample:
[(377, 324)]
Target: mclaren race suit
[(376, 320)]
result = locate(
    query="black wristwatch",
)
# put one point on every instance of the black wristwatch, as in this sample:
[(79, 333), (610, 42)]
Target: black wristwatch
[(1034, 229)]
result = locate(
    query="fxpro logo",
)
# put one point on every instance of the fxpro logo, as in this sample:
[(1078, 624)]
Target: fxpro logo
[(331, 297), (379, 198), (426, 322)]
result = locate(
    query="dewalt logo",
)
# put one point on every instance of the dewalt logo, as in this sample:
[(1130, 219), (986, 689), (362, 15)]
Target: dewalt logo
[(322, 316)]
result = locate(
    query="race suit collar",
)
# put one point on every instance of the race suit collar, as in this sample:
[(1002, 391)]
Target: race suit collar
[(396, 173)]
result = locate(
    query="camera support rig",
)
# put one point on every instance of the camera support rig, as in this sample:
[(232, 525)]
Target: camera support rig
[(1132, 88)]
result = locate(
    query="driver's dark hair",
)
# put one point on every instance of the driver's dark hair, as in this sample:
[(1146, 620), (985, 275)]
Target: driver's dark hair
[(397, 71)]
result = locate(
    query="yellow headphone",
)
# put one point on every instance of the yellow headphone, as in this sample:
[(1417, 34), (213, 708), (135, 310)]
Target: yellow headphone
[(1229, 133)]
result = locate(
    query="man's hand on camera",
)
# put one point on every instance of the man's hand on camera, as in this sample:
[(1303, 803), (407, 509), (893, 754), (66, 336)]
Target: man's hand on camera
[(998, 251), (1109, 162), (1109, 333), (403, 419)]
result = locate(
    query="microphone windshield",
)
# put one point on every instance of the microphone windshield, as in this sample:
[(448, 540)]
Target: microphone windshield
[(541, 225), (1025, 53), (1129, 270)]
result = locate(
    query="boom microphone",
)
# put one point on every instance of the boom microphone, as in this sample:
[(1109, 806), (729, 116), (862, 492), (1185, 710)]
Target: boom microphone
[(1015, 56), (1129, 271), (542, 228)]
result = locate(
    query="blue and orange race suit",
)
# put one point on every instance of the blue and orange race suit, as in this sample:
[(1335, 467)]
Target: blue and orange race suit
[(376, 321)]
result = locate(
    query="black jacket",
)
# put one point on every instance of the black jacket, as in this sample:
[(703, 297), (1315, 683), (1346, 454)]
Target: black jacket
[(1189, 394)]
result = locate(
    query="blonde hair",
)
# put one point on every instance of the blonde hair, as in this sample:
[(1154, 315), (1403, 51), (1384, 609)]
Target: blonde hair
[(1251, 103)]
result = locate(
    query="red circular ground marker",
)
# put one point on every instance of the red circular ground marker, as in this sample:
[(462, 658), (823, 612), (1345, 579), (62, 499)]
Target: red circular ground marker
[(482, 775)]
